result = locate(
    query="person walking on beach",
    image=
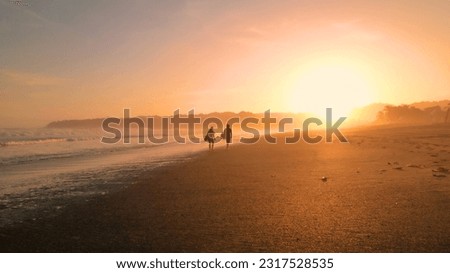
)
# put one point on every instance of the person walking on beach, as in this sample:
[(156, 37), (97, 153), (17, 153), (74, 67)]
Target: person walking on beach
[(228, 134), (210, 136)]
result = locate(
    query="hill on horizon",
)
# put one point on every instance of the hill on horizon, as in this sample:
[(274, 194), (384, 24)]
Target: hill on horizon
[(363, 115)]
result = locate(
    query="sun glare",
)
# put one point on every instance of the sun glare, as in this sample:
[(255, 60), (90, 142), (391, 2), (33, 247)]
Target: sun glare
[(340, 87)]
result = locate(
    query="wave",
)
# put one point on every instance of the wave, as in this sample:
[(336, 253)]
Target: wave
[(40, 141), (31, 158), (73, 152), (20, 146), (19, 137)]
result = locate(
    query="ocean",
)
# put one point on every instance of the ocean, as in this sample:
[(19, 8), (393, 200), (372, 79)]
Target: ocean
[(45, 169)]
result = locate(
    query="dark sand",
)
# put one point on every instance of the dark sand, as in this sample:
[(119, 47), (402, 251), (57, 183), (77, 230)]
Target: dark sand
[(380, 196)]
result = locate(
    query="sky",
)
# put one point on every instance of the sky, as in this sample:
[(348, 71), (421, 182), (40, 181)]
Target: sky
[(63, 59)]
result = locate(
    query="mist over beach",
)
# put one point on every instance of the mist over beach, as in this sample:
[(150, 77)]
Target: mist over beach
[(212, 126)]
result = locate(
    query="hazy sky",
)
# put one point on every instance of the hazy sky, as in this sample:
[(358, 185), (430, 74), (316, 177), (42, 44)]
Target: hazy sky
[(63, 59)]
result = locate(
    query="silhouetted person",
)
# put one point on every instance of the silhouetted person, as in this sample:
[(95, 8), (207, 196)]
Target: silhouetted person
[(210, 136), (228, 134)]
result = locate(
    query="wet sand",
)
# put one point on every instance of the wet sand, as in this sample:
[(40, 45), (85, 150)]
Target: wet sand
[(386, 191)]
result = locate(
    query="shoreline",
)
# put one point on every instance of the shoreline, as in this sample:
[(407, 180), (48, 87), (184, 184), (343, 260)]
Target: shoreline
[(380, 196), (45, 188)]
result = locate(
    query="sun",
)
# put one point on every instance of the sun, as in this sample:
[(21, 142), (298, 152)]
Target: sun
[(337, 86)]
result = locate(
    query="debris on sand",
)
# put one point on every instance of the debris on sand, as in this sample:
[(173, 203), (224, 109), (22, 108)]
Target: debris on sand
[(324, 179), (398, 168)]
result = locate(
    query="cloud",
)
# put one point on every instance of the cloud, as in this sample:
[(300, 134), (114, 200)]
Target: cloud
[(30, 79), (28, 14)]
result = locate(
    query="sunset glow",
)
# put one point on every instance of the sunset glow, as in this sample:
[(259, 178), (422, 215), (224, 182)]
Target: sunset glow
[(90, 60), (225, 135), (330, 85)]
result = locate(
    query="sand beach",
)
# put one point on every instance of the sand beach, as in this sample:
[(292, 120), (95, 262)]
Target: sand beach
[(387, 190)]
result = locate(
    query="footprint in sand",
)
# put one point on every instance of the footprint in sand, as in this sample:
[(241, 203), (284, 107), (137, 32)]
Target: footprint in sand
[(395, 166), (440, 172), (415, 166)]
